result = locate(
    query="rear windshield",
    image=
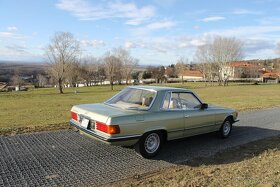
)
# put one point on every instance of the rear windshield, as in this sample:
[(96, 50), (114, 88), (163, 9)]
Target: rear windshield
[(133, 98)]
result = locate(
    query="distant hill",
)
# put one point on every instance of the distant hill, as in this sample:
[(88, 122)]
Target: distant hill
[(9, 68)]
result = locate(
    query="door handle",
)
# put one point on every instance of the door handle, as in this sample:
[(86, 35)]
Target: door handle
[(187, 116)]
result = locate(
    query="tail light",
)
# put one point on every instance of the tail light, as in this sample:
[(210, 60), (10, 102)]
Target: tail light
[(74, 116), (109, 129)]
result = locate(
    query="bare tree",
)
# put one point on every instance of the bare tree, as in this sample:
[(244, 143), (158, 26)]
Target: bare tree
[(224, 50), (42, 80), (128, 63), (17, 80), (158, 73), (73, 74), (217, 54), (205, 63), (112, 66), (62, 51), (180, 67)]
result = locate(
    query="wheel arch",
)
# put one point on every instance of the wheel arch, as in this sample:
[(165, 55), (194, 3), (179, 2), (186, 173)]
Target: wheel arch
[(161, 130)]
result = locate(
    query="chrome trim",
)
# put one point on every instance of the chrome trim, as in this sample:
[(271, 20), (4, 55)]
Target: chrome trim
[(176, 130), (201, 126)]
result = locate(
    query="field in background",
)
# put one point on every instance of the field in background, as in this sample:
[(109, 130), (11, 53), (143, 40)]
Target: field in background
[(45, 109)]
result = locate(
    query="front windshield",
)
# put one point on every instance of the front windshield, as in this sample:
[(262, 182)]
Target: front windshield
[(133, 98)]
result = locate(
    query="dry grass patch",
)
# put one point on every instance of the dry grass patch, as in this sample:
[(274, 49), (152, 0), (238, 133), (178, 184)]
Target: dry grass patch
[(253, 164)]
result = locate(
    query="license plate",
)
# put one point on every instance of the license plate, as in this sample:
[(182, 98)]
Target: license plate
[(85, 123)]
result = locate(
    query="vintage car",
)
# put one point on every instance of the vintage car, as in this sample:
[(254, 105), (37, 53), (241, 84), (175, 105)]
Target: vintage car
[(148, 116)]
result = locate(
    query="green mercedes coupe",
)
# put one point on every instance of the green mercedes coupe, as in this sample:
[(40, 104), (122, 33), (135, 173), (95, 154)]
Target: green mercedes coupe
[(148, 116)]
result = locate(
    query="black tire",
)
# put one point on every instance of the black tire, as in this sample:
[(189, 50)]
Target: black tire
[(226, 128), (150, 144)]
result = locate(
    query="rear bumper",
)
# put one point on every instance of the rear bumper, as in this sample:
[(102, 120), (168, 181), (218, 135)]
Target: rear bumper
[(117, 140)]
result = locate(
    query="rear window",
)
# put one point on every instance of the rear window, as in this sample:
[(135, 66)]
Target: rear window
[(133, 98)]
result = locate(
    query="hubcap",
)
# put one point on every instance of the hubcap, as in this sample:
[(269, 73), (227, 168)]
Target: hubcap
[(226, 128), (152, 143)]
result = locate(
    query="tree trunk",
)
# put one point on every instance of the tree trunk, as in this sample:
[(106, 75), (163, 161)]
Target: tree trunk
[(112, 85), (182, 79), (126, 81), (60, 87)]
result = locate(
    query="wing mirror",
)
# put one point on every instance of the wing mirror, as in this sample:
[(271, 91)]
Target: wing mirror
[(203, 106)]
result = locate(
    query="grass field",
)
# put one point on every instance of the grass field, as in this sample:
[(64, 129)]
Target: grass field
[(44, 109)]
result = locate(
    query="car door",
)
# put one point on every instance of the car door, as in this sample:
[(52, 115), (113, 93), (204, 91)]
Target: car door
[(196, 120), (172, 117)]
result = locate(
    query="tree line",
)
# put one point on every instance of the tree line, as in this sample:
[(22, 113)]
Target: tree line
[(67, 67)]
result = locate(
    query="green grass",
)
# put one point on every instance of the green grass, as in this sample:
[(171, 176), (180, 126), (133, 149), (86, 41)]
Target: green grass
[(41, 109)]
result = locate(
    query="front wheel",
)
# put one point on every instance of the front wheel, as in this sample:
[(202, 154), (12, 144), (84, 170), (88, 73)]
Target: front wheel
[(150, 144), (226, 128)]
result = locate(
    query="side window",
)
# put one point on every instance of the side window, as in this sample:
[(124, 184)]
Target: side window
[(175, 101), (166, 101), (189, 101), (180, 100)]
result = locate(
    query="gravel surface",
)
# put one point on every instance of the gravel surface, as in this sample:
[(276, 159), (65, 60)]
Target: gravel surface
[(70, 159)]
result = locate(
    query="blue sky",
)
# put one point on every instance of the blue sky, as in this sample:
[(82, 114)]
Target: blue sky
[(156, 32)]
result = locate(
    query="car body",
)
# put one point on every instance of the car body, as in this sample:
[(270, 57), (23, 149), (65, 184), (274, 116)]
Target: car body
[(157, 113)]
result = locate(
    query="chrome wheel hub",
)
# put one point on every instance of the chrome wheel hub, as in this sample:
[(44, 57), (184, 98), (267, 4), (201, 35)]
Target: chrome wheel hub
[(152, 143), (226, 128)]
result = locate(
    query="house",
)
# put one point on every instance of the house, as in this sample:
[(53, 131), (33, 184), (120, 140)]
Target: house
[(192, 75), (241, 69), (271, 77)]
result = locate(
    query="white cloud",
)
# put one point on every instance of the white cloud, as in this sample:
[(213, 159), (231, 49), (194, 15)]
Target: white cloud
[(247, 31), (164, 24), (11, 35), (245, 12), (12, 28), (92, 43), (213, 18), (86, 11), (253, 46)]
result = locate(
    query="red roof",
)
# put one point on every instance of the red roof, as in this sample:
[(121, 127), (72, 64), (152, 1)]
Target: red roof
[(192, 73), (242, 64), (272, 75)]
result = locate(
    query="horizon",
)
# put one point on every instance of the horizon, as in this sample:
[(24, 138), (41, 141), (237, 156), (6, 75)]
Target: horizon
[(155, 32)]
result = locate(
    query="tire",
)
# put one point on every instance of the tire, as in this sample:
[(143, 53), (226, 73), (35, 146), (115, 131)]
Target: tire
[(150, 144), (226, 128)]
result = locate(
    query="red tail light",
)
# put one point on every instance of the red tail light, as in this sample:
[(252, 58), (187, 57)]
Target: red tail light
[(74, 116), (110, 129)]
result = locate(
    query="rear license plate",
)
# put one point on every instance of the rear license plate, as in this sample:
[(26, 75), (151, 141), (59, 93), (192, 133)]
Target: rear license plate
[(85, 123)]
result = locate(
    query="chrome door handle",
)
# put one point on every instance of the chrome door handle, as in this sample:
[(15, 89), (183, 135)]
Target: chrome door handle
[(187, 116)]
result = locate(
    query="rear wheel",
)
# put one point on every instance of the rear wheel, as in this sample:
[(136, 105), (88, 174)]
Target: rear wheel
[(226, 128), (150, 144)]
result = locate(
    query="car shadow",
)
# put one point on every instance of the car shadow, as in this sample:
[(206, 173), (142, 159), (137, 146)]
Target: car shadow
[(210, 149)]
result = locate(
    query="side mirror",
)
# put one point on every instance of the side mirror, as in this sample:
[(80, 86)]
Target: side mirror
[(203, 106)]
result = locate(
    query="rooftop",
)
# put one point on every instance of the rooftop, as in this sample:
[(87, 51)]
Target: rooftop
[(242, 64)]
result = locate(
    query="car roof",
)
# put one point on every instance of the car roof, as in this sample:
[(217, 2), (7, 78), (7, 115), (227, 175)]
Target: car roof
[(159, 88)]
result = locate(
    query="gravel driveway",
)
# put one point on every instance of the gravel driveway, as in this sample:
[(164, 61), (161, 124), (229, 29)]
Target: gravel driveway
[(67, 158)]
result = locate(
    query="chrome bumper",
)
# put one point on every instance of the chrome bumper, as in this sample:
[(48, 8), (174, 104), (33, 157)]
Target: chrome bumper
[(103, 138)]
